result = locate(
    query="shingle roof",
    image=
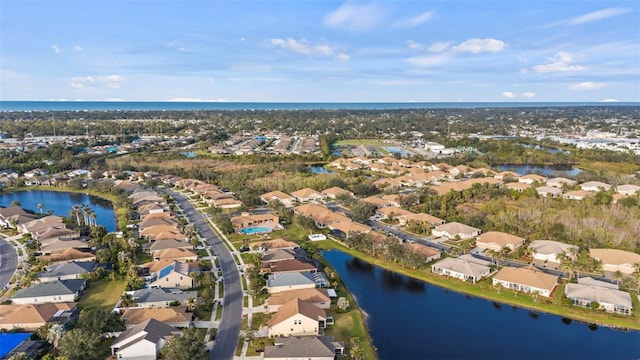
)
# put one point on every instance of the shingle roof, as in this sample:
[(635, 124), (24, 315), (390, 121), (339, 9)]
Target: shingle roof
[(614, 256), (295, 307), (309, 295), (70, 268), (54, 288), (550, 247), (526, 276), (292, 278), (302, 347), (599, 294), (154, 329), (173, 314), (500, 238), (462, 266)]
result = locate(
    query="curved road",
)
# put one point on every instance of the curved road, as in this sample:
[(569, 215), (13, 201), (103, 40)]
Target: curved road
[(228, 334), (8, 262)]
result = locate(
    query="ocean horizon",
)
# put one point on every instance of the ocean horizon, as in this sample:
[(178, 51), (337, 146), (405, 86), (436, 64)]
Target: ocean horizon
[(10, 106)]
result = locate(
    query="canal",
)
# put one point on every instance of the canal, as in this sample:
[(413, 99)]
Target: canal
[(410, 319)]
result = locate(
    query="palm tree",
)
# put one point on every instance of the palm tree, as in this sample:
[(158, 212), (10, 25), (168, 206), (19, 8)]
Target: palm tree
[(191, 303), (636, 275), (40, 206), (85, 211), (126, 300), (76, 211), (55, 334)]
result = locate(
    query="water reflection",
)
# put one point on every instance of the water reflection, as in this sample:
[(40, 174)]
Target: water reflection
[(391, 280), (566, 321)]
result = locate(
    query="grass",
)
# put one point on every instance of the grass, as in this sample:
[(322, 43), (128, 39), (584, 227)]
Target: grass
[(356, 142), (203, 312), (485, 290), (258, 320), (103, 293)]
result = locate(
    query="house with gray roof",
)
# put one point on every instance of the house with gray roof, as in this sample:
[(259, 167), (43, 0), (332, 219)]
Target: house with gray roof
[(161, 297), (50, 292), (303, 348), (461, 269), (605, 295), (290, 281), (66, 271), (143, 341)]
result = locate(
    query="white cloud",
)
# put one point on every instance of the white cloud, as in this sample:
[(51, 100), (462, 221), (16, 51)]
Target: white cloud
[(426, 61), (302, 46), (77, 48), (609, 100), (415, 20), (528, 94), (109, 81), (586, 86), (55, 48), (343, 57), (508, 94), (598, 15), (440, 46), (355, 17), (413, 45), (560, 62), (476, 46)]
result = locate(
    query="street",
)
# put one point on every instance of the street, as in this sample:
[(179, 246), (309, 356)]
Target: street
[(8, 262)]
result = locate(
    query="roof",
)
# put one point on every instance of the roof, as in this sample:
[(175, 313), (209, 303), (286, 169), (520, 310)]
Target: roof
[(422, 249), (577, 193), (559, 181), (68, 254), (169, 244), (599, 294), (588, 280), (5, 212), (462, 266), (154, 331), (550, 247), (314, 295), (70, 268), (290, 265), (500, 238), (175, 253), (279, 255), (614, 256), (548, 190), (292, 278), (275, 244), (517, 186), (454, 228), (295, 307), (302, 347), (32, 313), (595, 184), (397, 211), (534, 177), (54, 288), (527, 276), (422, 217), (173, 314), (150, 295), (310, 209), (349, 227), (628, 188), (277, 195), (306, 193), (336, 190)]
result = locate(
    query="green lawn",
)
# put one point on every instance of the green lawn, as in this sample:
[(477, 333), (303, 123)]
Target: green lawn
[(203, 312), (102, 293), (356, 142)]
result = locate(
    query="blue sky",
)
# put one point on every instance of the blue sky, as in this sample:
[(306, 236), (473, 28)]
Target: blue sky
[(316, 51)]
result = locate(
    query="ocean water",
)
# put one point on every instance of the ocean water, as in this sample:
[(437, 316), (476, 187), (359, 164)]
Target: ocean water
[(177, 106)]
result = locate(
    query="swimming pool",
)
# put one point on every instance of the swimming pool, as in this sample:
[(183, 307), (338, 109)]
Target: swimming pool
[(256, 230), (393, 149), (9, 341)]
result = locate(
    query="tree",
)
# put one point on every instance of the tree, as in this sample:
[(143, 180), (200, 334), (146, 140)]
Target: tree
[(186, 347), (75, 211), (191, 303), (15, 203), (40, 206), (126, 300), (356, 352), (99, 320), (80, 344), (362, 211), (55, 334)]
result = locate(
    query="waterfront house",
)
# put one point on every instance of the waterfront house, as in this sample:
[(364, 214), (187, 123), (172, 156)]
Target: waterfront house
[(41, 224), (315, 296), (29, 317), (548, 250), (461, 269), (307, 195), (428, 253), (595, 186), (297, 317), (287, 266), (175, 316), (527, 280), (161, 297), (348, 228), (549, 191), (606, 295), (616, 260), (143, 341), (66, 271), (392, 213), (290, 281), (13, 216), (278, 243), (505, 175), (497, 241), (57, 291), (531, 178), (304, 348), (456, 230), (560, 181), (286, 199), (283, 254), (377, 202)]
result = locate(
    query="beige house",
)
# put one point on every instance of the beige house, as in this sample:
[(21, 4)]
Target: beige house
[(616, 260), (315, 296), (286, 199), (531, 178), (548, 250), (461, 269), (350, 227), (174, 275), (304, 348), (178, 254), (527, 280), (307, 195), (428, 253), (517, 186), (176, 316), (577, 194), (297, 317), (549, 191), (333, 192), (421, 218), (595, 186), (627, 189), (32, 316), (256, 220), (560, 181), (456, 230), (496, 241)]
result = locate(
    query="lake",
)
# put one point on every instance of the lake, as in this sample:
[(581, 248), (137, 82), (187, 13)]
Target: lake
[(410, 319), (319, 169), (61, 204), (547, 170)]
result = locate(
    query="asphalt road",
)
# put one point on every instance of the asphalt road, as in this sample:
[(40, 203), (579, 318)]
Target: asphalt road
[(8, 262), (228, 334)]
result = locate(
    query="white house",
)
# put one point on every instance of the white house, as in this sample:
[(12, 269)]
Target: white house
[(627, 189), (456, 229), (527, 280), (616, 260), (461, 269), (549, 191), (497, 240), (143, 341), (297, 317), (606, 295), (595, 186), (51, 292), (548, 250)]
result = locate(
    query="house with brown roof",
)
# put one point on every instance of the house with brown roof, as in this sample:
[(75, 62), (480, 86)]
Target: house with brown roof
[(497, 241), (42, 224), (606, 295), (163, 218), (278, 243), (304, 348), (349, 227), (177, 254), (455, 230), (392, 212), (286, 199), (176, 316), (517, 186), (174, 275), (287, 266), (57, 291), (527, 280), (560, 182), (297, 317), (143, 341), (32, 316), (421, 218), (428, 253), (333, 192), (577, 194), (531, 178), (616, 260), (316, 296), (246, 220), (12, 214), (320, 214), (549, 191), (226, 203), (307, 195)]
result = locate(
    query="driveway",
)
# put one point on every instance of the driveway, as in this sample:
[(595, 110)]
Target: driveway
[(228, 334)]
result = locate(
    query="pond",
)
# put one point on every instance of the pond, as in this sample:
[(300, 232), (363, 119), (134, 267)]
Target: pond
[(410, 319), (60, 203), (547, 170), (189, 154), (319, 169), (394, 149), (550, 150)]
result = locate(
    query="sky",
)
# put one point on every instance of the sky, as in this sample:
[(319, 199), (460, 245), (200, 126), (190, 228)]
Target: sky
[(320, 50)]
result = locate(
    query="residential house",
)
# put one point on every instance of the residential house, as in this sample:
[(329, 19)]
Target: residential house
[(174, 275), (549, 191), (177, 254), (577, 194), (334, 192), (297, 317), (315, 296), (32, 316), (606, 295), (559, 182), (246, 220), (548, 250), (506, 175), (320, 214), (421, 218), (461, 269), (527, 280), (67, 255), (497, 241), (595, 186), (66, 271), (286, 199), (278, 243), (307, 195), (428, 253), (616, 260), (377, 202), (275, 255), (41, 224), (175, 316), (57, 291), (531, 178), (287, 266), (143, 341), (304, 348), (348, 228), (517, 186), (456, 230), (162, 245), (161, 297), (14, 215), (627, 189), (290, 281), (392, 213)]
